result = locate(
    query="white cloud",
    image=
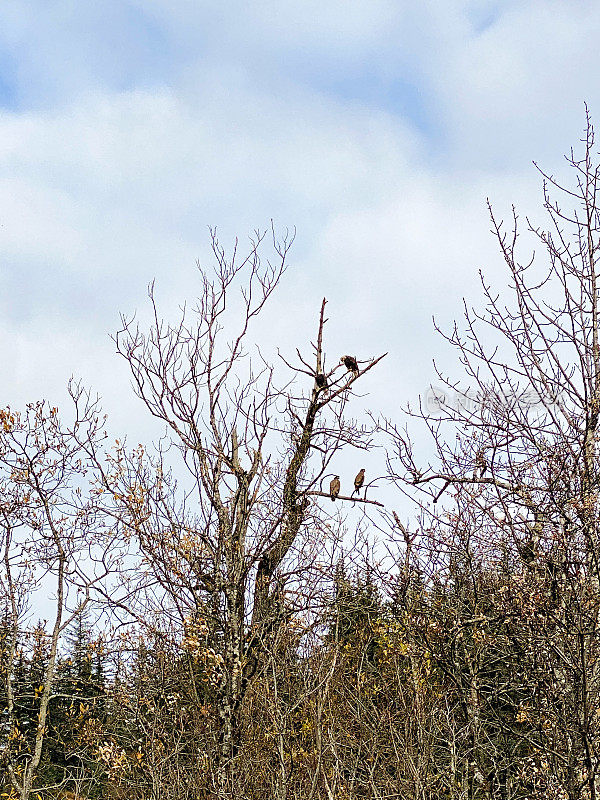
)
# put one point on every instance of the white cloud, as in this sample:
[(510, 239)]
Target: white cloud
[(104, 187), (516, 90)]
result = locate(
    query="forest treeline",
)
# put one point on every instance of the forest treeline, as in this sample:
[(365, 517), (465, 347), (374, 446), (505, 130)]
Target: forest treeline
[(222, 620), (448, 692)]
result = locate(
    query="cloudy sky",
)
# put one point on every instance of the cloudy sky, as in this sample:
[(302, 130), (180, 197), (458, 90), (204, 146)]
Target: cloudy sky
[(376, 127)]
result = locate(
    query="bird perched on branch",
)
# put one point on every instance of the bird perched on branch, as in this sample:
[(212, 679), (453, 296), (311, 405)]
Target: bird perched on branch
[(321, 380), (350, 363), (481, 463), (334, 487), (359, 480)]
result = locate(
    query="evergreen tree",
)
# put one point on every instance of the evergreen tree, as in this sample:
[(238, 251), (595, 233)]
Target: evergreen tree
[(78, 711)]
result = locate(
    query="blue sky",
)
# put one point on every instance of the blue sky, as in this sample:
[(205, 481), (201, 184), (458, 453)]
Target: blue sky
[(376, 127)]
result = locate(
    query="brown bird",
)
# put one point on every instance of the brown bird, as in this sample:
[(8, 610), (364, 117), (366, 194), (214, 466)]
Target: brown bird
[(359, 480), (350, 363), (481, 463), (334, 487), (321, 380)]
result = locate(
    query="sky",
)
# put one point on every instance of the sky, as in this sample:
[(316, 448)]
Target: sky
[(376, 128)]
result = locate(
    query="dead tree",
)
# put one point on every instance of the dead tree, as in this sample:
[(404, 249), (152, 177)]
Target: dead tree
[(222, 546)]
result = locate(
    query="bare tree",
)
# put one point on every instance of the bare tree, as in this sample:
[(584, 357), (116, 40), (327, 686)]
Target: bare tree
[(51, 540), (515, 485), (220, 547)]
